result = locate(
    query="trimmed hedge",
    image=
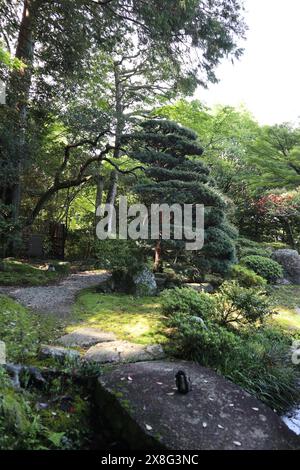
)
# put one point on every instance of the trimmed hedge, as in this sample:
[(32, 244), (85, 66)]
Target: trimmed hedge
[(264, 267)]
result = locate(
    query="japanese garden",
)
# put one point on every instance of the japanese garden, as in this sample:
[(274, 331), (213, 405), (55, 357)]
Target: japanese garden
[(133, 335)]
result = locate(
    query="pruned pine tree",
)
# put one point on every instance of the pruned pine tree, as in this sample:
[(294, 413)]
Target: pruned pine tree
[(175, 175)]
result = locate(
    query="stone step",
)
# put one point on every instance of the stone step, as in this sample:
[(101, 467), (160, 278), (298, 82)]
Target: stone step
[(123, 351), (86, 337)]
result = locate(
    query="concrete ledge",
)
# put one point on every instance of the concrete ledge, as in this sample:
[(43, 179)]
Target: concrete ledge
[(141, 406)]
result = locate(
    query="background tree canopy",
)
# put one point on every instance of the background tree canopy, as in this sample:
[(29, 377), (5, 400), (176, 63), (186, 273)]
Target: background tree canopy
[(79, 66)]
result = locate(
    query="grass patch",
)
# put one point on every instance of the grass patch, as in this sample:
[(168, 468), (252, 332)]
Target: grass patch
[(20, 273), (285, 300), (130, 318), (23, 331)]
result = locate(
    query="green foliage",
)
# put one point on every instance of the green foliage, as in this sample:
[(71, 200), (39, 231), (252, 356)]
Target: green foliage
[(19, 273), (23, 331), (175, 178), (240, 306), (264, 267), (8, 61), (119, 255), (274, 157), (257, 360), (246, 277), (23, 426), (261, 365), (61, 267), (208, 344), (188, 301), (246, 247), (20, 426), (255, 251)]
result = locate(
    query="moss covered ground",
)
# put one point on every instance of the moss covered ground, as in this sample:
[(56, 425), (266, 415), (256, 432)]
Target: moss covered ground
[(286, 301), (21, 273), (136, 319)]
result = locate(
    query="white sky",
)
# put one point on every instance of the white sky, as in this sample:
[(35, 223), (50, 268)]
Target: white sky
[(267, 77)]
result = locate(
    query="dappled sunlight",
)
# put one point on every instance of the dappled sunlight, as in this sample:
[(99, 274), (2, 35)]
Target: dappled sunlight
[(286, 301), (131, 318), (287, 317)]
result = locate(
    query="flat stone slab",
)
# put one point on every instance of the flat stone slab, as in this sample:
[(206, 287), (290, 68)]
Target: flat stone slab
[(57, 352), (123, 351), (84, 337), (144, 408)]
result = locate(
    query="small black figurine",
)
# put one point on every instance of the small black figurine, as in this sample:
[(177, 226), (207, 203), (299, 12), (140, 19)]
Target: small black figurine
[(182, 382)]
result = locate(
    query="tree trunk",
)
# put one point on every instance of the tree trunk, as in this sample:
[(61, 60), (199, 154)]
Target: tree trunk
[(112, 192), (157, 257), (99, 195), (18, 95), (289, 234), (120, 124)]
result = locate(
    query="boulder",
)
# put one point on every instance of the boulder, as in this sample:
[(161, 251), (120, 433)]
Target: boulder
[(140, 283), (141, 406), (123, 351), (144, 282), (290, 261), (57, 352)]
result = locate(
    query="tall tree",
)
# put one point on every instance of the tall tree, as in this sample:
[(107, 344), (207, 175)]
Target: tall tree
[(165, 149), (57, 40), (275, 157)]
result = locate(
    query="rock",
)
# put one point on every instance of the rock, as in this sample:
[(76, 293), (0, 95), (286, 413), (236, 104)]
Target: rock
[(290, 261), (283, 282), (2, 353), (123, 351), (200, 287), (161, 280), (142, 407), (84, 337), (141, 283), (145, 283), (14, 371), (57, 352)]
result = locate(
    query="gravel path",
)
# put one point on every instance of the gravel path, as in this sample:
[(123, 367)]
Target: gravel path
[(56, 299)]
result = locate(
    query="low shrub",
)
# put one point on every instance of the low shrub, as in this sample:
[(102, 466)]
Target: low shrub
[(61, 267), (20, 426), (246, 247), (255, 251), (256, 359), (24, 426), (120, 255), (23, 331), (239, 306), (188, 301), (261, 364), (264, 267), (207, 343), (247, 277)]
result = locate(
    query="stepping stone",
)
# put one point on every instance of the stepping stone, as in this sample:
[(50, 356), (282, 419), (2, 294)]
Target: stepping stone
[(123, 351), (85, 337), (57, 352)]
